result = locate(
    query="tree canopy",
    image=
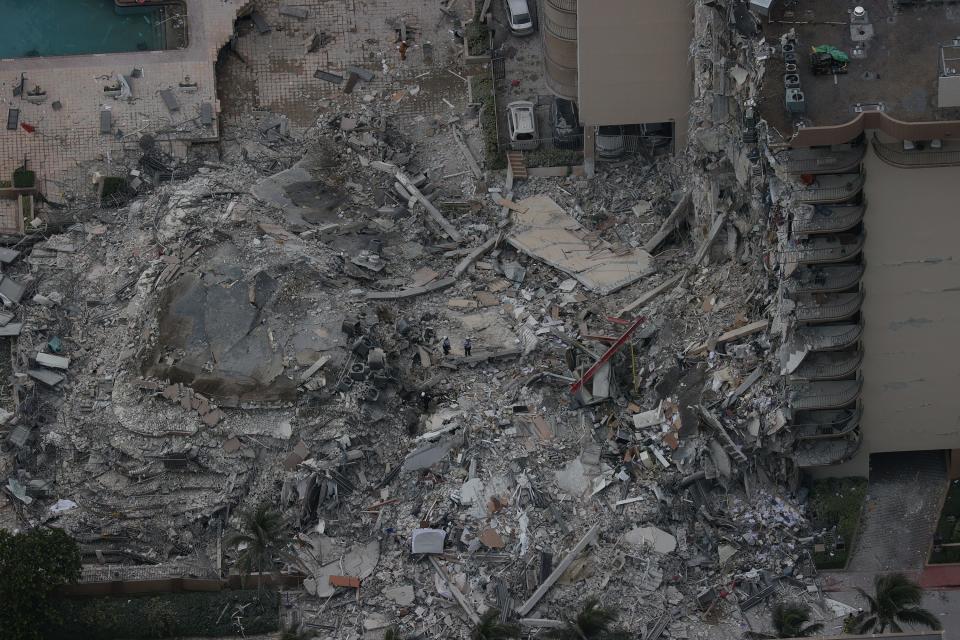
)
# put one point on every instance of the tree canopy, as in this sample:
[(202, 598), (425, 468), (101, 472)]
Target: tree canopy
[(32, 565)]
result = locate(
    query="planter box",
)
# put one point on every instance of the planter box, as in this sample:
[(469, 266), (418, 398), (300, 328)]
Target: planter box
[(556, 172), (482, 58)]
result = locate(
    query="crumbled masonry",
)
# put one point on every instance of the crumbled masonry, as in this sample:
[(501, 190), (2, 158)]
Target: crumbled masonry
[(267, 326)]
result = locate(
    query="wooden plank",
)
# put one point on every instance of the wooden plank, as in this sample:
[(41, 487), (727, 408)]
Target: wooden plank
[(647, 296), (510, 204), (670, 223), (455, 591), (733, 334), (432, 210), (541, 591), (474, 255), (467, 154), (714, 230)]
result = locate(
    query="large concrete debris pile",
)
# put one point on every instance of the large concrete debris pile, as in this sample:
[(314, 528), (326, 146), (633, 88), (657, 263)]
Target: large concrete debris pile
[(386, 350)]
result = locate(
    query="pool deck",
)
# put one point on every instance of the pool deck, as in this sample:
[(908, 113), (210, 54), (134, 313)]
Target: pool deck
[(67, 144)]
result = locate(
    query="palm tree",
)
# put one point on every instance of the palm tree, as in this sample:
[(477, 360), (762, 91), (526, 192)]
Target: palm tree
[(263, 535), (789, 620), (490, 628), (896, 599), (592, 623)]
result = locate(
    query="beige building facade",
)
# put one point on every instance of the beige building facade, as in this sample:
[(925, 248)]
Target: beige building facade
[(625, 62)]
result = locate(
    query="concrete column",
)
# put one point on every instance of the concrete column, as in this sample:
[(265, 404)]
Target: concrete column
[(589, 149)]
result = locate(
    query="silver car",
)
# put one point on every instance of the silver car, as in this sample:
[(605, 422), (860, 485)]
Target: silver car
[(610, 142), (518, 14), (522, 125)]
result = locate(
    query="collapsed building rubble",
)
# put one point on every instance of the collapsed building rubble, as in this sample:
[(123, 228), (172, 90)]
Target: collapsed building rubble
[(269, 328)]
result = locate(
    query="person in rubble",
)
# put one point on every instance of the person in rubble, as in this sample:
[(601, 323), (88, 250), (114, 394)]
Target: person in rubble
[(424, 401), (446, 345), (467, 346), (402, 48)]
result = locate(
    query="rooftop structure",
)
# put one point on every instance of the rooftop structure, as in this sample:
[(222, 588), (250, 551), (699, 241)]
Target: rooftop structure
[(901, 68)]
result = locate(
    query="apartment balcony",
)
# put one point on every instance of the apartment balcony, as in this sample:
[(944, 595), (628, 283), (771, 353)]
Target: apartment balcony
[(807, 396), (819, 453), (828, 365), (829, 337), (826, 250), (827, 219), (827, 307), (825, 425), (824, 279), (838, 159), (948, 155), (831, 188)]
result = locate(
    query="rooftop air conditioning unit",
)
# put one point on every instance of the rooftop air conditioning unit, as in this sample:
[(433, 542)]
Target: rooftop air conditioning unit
[(796, 101), (761, 7)]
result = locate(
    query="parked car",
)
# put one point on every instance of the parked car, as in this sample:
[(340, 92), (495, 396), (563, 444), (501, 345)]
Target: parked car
[(522, 125), (519, 17), (565, 122), (610, 141)]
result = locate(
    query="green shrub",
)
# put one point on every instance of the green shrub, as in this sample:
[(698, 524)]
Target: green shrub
[(32, 565), (23, 178), (837, 502), (166, 615), (484, 93), (553, 158), (477, 36)]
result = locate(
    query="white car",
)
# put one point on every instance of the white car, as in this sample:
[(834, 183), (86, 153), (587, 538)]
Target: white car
[(518, 14), (522, 125)]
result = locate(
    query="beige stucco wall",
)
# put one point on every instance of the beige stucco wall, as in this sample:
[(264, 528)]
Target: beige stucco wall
[(911, 364), (634, 62)]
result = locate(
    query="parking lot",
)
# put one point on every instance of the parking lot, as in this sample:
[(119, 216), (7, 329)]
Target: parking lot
[(519, 73)]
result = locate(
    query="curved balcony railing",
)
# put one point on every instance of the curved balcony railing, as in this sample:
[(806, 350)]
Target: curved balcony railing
[(824, 395), (823, 425), (821, 160), (830, 337), (828, 365), (831, 307), (825, 250), (893, 153), (827, 219), (818, 453), (831, 188), (554, 28), (824, 279), (570, 6), (561, 80)]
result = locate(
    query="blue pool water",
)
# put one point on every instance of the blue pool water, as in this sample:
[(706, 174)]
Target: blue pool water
[(75, 27)]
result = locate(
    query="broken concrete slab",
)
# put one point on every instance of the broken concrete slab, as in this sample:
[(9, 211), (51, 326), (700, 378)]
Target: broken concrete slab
[(546, 232), (427, 540), (427, 456), (45, 376), (658, 539), (403, 595), (52, 361), (302, 194)]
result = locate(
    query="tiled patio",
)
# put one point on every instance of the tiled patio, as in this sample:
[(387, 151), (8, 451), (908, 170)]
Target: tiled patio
[(67, 144)]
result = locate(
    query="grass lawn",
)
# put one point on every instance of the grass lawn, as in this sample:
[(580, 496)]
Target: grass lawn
[(948, 528), (837, 502), (207, 614)]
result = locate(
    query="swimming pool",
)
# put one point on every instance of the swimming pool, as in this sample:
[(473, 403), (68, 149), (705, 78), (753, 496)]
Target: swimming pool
[(74, 27)]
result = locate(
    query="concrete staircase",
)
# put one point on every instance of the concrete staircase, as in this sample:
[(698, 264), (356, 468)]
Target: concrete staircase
[(517, 165)]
